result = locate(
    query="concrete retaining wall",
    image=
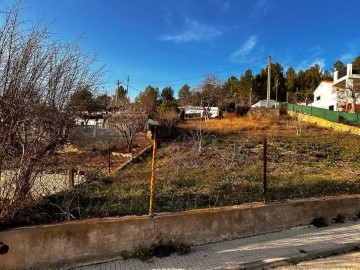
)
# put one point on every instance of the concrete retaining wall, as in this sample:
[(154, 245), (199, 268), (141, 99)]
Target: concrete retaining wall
[(327, 124), (66, 244)]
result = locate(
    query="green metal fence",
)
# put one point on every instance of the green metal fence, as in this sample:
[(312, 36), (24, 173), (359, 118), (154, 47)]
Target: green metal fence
[(337, 117)]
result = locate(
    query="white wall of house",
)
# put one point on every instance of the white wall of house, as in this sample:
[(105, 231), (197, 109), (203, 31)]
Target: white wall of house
[(325, 97), (91, 122), (199, 111)]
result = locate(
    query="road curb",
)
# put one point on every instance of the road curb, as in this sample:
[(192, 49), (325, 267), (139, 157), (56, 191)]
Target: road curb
[(296, 258)]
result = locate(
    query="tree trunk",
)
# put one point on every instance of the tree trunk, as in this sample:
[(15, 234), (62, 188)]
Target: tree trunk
[(353, 105), (129, 146)]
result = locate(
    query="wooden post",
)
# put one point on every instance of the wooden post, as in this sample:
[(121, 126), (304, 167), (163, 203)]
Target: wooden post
[(152, 183), (264, 198), (0, 168), (71, 173), (109, 158)]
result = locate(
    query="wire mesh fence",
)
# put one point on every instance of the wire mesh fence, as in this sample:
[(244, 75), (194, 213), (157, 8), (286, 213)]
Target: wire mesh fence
[(42, 184), (208, 169), (313, 167)]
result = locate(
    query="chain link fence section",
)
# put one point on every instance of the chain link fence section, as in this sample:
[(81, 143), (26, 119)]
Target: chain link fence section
[(44, 183), (312, 167), (51, 183)]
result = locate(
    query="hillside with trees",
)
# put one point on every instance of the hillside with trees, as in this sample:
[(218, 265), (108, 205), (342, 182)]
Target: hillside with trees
[(291, 84)]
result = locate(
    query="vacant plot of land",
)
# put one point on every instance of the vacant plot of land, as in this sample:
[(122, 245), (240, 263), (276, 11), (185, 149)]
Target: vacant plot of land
[(220, 162)]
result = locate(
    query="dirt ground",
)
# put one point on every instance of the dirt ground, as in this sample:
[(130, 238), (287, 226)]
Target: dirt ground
[(86, 153)]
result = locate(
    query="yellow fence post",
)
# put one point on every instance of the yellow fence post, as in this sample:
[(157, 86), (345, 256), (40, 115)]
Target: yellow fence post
[(152, 183)]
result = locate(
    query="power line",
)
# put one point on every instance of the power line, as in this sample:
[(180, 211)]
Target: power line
[(182, 79), (200, 76)]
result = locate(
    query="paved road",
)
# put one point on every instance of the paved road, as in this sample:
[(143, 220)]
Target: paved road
[(272, 249), (346, 261)]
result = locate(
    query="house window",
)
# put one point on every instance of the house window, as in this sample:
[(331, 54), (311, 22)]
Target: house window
[(318, 98), (331, 107)]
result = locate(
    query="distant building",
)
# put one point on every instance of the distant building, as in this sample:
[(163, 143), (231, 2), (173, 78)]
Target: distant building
[(335, 95), (193, 111), (92, 120)]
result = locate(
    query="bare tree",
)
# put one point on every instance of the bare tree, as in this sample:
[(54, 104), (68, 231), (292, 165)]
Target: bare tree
[(128, 122), (198, 137), (349, 94), (231, 156), (299, 125), (209, 93), (37, 78), (354, 95)]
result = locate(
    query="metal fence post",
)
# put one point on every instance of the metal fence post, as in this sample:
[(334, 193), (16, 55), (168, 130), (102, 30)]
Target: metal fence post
[(109, 158), (152, 183), (264, 196)]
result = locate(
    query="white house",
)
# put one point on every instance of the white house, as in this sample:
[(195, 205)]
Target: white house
[(191, 111), (325, 97), (336, 95)]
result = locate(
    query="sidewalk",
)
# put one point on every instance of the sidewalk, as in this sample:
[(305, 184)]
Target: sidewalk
[(348, 261), (257, 252)]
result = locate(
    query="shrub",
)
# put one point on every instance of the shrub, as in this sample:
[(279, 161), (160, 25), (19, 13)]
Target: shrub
[(319, 222)]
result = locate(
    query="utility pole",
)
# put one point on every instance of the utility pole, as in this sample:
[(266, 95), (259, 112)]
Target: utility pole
[(117, 92), (268, 83), (250, 101), (127, 85), (276, 87)]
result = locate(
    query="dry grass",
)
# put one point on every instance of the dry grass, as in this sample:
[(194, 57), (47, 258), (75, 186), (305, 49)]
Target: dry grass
[(228, 125), (274, 125), (228, 170)]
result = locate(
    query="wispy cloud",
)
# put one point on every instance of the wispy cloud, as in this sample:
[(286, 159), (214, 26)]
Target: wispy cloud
[(194, 31), (320, 62), (314, 56), (244, 50), (223, 4), (347, 57), (305, 64), (315, 51), (167, 15), (351, 51), (260, 8)]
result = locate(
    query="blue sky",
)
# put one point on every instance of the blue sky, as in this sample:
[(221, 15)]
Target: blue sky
[(169, 40)]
